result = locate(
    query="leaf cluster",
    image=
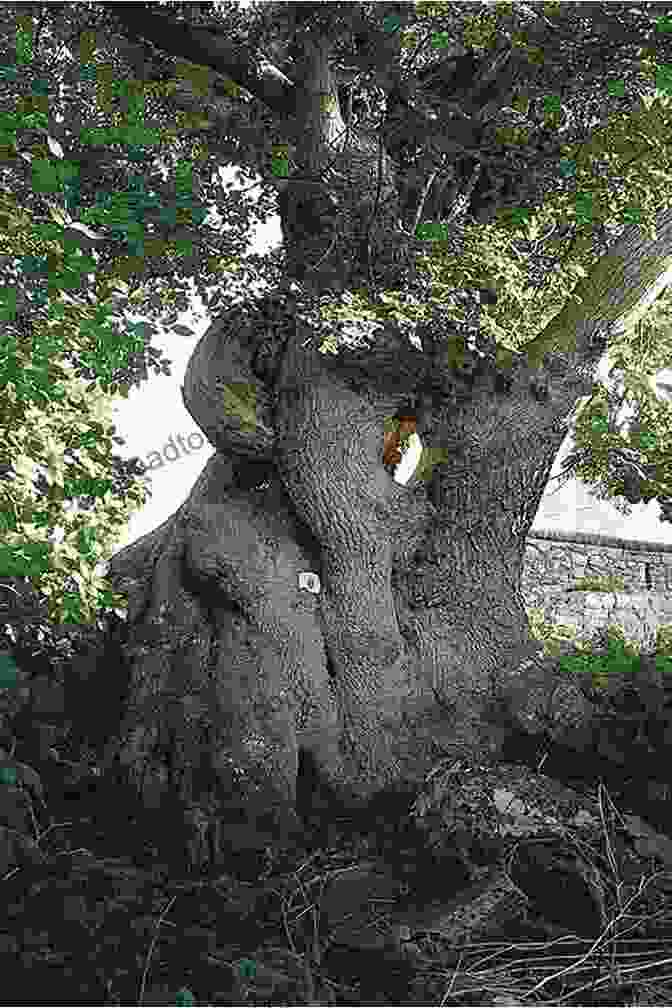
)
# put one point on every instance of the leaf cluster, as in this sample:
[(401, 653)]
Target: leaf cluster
[(610, 584), (627, 460), (56, 436), (613, 668)]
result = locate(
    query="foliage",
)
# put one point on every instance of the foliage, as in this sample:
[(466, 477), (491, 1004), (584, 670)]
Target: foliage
[(57, 436), (600, 584), (629, 459), (616, 665), (554, 635), (620, 650), (57, 431), (506, 256), (57, 440)]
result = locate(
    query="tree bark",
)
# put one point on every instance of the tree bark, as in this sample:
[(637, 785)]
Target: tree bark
[(419, 626), (419, 620)]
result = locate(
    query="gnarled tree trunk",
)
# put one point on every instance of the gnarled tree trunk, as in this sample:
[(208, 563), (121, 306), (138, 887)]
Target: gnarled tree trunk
[(419, 617), (419, 625)]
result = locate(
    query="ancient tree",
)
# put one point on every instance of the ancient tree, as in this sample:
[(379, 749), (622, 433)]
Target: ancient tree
[(408, 650)]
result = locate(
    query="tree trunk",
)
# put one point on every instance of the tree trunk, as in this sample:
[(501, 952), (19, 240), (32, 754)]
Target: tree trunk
[(419, 619), (419, 626)]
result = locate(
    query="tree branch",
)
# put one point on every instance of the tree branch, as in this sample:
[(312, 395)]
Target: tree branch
[(611, 291), (210, 48)]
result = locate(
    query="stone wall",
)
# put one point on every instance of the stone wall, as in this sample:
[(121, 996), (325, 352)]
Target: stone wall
[(555, 561)]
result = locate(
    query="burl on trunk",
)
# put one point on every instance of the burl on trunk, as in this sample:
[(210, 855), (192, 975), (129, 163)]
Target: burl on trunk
[(400, 656)]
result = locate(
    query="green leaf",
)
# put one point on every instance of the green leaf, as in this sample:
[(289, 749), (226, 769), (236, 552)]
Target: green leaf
[(9, 677)]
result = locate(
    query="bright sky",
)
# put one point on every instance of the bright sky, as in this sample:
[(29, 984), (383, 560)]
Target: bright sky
[(158, 428)]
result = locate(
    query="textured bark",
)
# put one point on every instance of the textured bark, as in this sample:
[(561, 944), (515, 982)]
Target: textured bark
[(420, 624), (419, 618)]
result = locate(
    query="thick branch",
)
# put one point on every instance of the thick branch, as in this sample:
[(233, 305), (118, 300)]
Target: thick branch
[(319, 121), (208, 47), (614, 286)]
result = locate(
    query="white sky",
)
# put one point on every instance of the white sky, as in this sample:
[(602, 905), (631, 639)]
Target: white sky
[(155, 414)]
